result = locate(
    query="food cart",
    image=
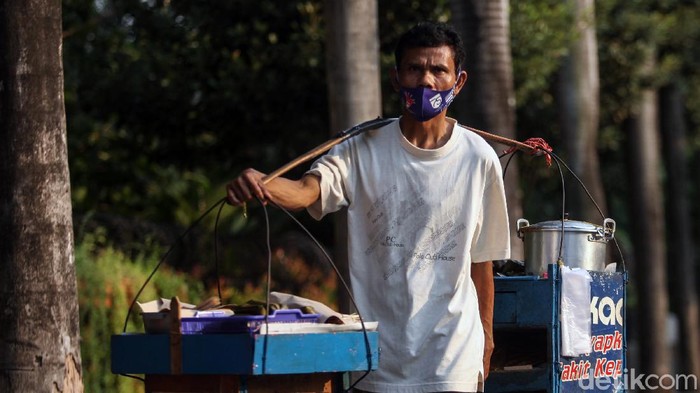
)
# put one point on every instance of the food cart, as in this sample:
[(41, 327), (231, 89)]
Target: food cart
[(527, 335), (304, 359)]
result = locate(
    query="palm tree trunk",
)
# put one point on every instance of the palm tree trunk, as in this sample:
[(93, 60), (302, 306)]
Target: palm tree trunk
[(354, 87), (681, 251), (39, 333), (648, 229)]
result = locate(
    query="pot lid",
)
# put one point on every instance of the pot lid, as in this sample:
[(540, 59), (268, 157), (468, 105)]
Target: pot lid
[(555, 225)]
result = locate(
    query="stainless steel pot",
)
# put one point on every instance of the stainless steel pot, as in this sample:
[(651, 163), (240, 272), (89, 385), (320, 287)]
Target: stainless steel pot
[(584, 244)]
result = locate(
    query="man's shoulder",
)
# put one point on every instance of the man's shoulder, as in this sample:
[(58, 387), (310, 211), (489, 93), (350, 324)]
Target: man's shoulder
[(375, 136), (464, 130), (474, 140)]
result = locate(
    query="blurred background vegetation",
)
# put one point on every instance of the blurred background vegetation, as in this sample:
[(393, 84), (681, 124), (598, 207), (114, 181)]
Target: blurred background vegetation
[(166, 101)]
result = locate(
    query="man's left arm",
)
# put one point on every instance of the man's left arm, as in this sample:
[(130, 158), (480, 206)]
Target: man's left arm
[(482, 275)]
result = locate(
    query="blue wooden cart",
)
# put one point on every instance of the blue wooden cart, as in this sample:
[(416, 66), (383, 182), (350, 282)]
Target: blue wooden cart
[(527, 334), (311, 362)]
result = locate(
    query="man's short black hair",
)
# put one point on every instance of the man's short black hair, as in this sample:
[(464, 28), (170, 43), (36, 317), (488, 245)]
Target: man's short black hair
[(431, 35)]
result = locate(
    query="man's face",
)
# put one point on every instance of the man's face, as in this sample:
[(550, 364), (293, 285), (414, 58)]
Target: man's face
[(433, 68)]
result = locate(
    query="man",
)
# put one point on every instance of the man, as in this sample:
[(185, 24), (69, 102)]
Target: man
[(426, 216)]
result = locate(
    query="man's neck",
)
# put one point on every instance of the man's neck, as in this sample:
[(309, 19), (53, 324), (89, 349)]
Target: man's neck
[(431, 134)]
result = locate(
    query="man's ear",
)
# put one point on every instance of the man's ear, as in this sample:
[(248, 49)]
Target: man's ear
[(394, 77), (461, 81)]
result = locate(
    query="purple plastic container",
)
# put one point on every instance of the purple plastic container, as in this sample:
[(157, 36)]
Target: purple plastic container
[(242, 323)]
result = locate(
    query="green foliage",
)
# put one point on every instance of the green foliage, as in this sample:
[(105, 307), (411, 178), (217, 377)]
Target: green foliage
[(541, 32), (167, 100), (155, 90), (107, 284), (627, 31)]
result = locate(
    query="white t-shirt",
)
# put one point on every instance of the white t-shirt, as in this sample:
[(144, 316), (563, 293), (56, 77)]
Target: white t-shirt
[(417, 219)]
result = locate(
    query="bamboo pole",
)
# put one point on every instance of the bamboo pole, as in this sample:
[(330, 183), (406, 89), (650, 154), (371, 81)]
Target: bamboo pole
[(502, 140), (324, 147), (371, 125)]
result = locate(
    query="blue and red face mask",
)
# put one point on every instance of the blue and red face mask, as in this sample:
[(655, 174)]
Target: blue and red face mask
[(424, 103)]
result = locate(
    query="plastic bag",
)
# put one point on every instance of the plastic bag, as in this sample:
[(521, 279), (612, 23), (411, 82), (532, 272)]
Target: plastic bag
[(575, 311)]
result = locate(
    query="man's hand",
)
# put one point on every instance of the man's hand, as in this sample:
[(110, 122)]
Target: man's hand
[(247, 186), (289, 194), (482, 275)]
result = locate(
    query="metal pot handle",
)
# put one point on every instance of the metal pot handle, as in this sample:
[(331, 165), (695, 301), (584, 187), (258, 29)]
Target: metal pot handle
[(609, 228), (519, 225)]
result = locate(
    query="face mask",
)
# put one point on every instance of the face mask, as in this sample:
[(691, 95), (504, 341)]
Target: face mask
[(425, 103)]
